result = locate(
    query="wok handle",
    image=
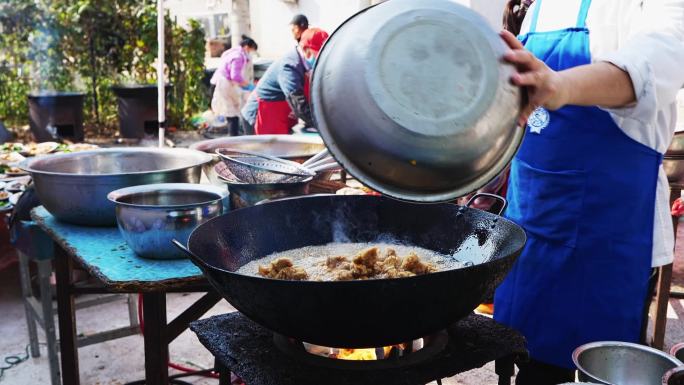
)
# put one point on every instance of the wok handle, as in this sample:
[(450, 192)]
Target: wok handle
[(504, 202), (193, 257)]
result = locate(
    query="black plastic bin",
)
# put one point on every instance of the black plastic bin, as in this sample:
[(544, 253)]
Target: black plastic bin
[(137, 110), (56, 115)]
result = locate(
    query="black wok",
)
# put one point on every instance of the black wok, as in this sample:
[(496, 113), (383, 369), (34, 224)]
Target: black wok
[(365, 313)]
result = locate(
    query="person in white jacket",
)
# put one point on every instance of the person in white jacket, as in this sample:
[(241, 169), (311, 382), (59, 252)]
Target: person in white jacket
[(587, 184)]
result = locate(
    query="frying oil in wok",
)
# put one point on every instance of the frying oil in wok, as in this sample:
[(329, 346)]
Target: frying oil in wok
[(312, 258)]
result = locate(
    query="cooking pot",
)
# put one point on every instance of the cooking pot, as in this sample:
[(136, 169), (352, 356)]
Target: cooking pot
[(364, 313), (412, 97)]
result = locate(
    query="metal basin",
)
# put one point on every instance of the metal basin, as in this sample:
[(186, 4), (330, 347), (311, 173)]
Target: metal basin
[(674, 168), (74, 187), (677, 146), (151, 216), (297, 148), (622, 363), (433, 113), (246, 194)]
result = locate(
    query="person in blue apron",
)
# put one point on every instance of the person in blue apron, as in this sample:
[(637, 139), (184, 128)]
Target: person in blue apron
[(587, 183)]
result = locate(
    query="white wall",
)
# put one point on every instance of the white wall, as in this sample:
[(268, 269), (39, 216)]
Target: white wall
[(492, 10), (204, 11), (189, 7), (270, 18)]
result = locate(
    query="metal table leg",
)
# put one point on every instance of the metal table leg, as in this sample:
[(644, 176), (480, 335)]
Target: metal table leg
[(223, 372), (26, 293), (44, 271), (67, 318), (505, 369), (156, 347)]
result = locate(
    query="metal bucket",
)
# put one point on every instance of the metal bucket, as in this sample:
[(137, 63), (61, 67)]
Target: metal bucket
[(622, 363)]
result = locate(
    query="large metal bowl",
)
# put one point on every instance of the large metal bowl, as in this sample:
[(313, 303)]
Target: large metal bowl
[(297, 148), (622, 363), (74, 187), (151, 216), (433, 113), (674, 168), (677, 146)]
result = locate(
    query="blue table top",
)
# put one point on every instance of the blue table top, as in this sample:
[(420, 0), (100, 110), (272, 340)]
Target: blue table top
[(104, 253)]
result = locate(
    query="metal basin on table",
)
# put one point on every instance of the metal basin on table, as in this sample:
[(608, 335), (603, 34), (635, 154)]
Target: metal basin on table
[(74, 187), (151, 216)]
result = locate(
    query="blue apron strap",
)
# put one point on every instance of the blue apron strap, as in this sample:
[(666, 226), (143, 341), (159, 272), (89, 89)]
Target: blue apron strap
[(584, 11), (535, 16)]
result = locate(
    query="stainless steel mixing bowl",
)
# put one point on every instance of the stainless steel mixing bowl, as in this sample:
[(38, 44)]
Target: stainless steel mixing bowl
[(151, 216), (74, 187), (674, 168), (297, 148), (622, 363), (246, 195), (677, 146), (433, 112)]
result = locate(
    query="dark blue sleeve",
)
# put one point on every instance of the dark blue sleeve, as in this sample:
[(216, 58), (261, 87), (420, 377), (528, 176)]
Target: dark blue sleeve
[(291, 78)]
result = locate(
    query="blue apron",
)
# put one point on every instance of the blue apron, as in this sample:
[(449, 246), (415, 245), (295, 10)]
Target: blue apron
[(585, 194)]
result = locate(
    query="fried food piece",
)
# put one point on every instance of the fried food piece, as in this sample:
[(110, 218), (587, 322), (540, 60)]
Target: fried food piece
[(391, 262), (396, 273), (283, 268), (367, 257), (360, 271), (265, 271), (292, 274), (282, 263), (413, 264), (367, 264), (344, 275), (334, 262), (364, 263)]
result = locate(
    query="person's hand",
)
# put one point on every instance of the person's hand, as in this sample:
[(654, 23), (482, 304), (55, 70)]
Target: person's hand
[(545, 87)]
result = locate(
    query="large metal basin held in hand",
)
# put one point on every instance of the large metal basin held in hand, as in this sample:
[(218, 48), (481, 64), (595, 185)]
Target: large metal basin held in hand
[(74, 187), (413, 99)]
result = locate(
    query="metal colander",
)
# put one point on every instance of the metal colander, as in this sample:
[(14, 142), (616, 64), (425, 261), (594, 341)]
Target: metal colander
[(252, 167)]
